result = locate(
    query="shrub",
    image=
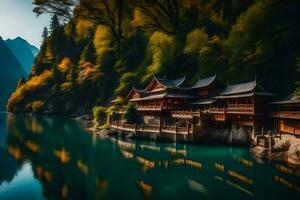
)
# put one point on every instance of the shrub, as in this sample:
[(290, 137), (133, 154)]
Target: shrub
[(99, 114), (131, 115)]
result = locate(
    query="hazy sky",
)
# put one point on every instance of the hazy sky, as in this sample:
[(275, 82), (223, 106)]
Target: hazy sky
[(17, 19)]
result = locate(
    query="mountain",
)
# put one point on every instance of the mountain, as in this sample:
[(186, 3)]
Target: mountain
[(34, 50), (11, 72), (24, 52)]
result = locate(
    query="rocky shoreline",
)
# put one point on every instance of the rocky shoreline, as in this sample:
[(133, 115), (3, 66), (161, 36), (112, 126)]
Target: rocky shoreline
[(285, 149)]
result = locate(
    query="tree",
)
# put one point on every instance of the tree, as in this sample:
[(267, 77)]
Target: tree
[(160, 14), (131, 115), (54, 23), (109, 13), (99, 114), (88, 54), (44, 35)]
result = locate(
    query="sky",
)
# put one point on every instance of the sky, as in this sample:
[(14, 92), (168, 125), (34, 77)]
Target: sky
[(17, 19)]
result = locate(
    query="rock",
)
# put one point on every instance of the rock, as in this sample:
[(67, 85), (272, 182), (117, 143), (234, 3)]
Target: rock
[(278, 156), (259, 151), (102, 131), (282, 145), (294, 151), (286, 149), (239, 135)]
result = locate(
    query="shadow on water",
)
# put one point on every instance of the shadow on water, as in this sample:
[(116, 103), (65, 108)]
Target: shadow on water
[(72, 163)]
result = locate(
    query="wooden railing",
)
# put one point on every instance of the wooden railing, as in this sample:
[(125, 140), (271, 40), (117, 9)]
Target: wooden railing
[(217, 110), (153, 107), (151, 128), (185, 114), (240, 108), (286, 114)]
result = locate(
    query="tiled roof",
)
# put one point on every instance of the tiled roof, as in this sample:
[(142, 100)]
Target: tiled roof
[(290, 99), (166, 82), (204, 82), (178, 82), (239, 88)]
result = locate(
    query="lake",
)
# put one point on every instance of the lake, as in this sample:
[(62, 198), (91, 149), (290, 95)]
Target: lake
[(45, 157)]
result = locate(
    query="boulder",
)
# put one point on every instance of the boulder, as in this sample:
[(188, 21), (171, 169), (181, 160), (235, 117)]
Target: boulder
[(294, 151), (259, 151), (282, 145)]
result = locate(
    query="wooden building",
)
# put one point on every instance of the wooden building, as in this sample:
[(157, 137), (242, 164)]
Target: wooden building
[(159, 98), (286, 115), (243, 104), (171, 106)]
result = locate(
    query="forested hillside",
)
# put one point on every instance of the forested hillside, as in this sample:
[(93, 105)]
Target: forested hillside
[(96, 50)]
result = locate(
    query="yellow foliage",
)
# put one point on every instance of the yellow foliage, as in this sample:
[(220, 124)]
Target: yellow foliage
[(82, 167), (37, 105), (38, 81), (66, 86), (83, 28), (62, 155), (48, 175), (195, 40), (15, 152), (102, 40), (161, 47), (146, 188), (32, 84), (138, 18), (65, 65), (32, 146), (89, 73)]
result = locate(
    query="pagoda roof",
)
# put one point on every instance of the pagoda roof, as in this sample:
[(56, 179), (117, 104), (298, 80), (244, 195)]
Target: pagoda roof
[(290, 99), (243, 90), (204, 82), (165, 83), (171, 83), (163, 95)]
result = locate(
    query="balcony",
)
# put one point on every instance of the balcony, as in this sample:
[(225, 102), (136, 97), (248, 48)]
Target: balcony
[(286, 114), (151, 128), (240, 109), (217, 110), (149, 107), (185, 114), (154, 107)]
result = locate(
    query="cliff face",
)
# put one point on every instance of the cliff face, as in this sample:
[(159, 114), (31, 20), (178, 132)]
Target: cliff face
[(11, 72)]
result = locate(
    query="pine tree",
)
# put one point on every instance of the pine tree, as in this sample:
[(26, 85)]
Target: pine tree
[(88, 54), (54, 24), (45, 35)]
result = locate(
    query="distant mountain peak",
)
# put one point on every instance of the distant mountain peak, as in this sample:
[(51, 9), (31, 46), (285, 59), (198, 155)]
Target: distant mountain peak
[(24, 52)]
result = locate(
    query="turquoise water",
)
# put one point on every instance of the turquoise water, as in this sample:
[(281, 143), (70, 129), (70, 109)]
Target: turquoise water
[(56, 158)]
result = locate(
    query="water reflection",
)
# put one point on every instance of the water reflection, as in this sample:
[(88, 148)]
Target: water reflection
[(70, 163)]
